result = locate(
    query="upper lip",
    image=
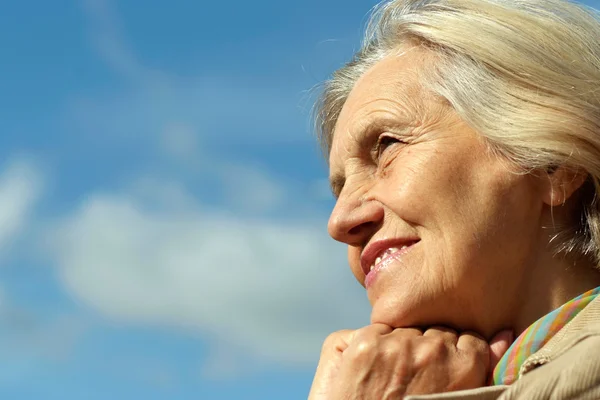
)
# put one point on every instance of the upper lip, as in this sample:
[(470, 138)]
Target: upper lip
[(375, 249)]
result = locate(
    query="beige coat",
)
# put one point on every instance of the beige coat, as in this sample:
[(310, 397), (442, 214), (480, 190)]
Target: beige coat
[(567, 367)]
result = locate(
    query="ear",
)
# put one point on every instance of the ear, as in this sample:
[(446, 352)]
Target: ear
[(561, 184)]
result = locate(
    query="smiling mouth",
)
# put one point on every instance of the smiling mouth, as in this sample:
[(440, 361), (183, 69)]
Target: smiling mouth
[(384, 259), (386, 255)]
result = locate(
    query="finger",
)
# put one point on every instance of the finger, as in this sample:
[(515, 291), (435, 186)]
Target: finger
[(368, 334), (472, 343), (407, 332), (329, 364), (448, 335), (498, 346), (337, 342), (377, 329)]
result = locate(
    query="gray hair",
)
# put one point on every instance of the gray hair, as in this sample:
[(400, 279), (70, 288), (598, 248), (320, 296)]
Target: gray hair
[(525, 74)]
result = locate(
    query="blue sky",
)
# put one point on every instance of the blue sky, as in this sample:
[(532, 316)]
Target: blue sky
[(163, 204)]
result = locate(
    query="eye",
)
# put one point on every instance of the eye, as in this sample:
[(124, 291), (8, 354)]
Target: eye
[(384, 142)]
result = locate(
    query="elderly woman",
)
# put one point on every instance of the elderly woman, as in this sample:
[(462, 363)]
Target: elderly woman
[(464, 153)]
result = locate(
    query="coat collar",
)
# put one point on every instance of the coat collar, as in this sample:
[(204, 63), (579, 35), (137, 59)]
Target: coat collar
[(584, 325)]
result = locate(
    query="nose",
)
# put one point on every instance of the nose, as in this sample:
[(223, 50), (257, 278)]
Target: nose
[(354, 219)]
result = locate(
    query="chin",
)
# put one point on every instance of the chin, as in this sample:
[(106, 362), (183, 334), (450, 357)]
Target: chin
[(402, 313), (396, 315)]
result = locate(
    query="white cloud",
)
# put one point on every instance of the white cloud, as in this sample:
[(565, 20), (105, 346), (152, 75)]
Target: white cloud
[(270, 288), (273, 288), (250, 189), (20, 188)]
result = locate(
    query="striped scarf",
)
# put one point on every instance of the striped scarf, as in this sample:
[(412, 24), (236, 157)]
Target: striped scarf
[(537, 335)]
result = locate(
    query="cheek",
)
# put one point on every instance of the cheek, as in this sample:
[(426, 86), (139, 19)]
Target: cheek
[(413, 185), (465, 205), (478, 215)]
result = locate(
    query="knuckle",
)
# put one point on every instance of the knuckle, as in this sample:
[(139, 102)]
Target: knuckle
[(444, 330), (437, 345), (362, 348), (333, 340), (434, 350), (330, 340), (472, 364), (478, 354), (366, 336), (469, 363), (397, 346), (365, 344)]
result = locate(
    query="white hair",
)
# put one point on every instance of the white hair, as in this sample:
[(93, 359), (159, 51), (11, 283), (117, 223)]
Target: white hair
[(525, 74)]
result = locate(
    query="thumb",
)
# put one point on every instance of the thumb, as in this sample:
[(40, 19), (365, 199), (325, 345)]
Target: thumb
[(329, 364), (499, 345)]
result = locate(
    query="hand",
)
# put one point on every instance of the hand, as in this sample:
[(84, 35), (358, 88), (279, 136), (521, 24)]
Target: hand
[(379, 362)]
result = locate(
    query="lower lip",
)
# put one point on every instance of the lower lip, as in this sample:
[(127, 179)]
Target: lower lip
[(384, 264)]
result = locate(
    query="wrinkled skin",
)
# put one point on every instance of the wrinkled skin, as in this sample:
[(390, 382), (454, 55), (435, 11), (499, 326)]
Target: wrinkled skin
[(379, 362), (404, 164), (434, 179)]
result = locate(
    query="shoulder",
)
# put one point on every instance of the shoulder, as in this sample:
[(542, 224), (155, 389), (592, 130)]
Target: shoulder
[(568, 366), (575, 374)]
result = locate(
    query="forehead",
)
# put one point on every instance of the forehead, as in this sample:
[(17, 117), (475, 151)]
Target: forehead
[(390, 91)]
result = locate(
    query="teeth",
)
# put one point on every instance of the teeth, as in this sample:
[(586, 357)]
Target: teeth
[(388, 252)]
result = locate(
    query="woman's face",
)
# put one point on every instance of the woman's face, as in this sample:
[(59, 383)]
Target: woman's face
[(444, 228)]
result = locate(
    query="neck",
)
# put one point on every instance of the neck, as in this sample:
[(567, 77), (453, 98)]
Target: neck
[(553, 282)]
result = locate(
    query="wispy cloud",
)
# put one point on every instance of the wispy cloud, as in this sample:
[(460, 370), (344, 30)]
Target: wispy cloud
[(270, 288), (20, 189), (253, 271), (219, 108), (110, 42)]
